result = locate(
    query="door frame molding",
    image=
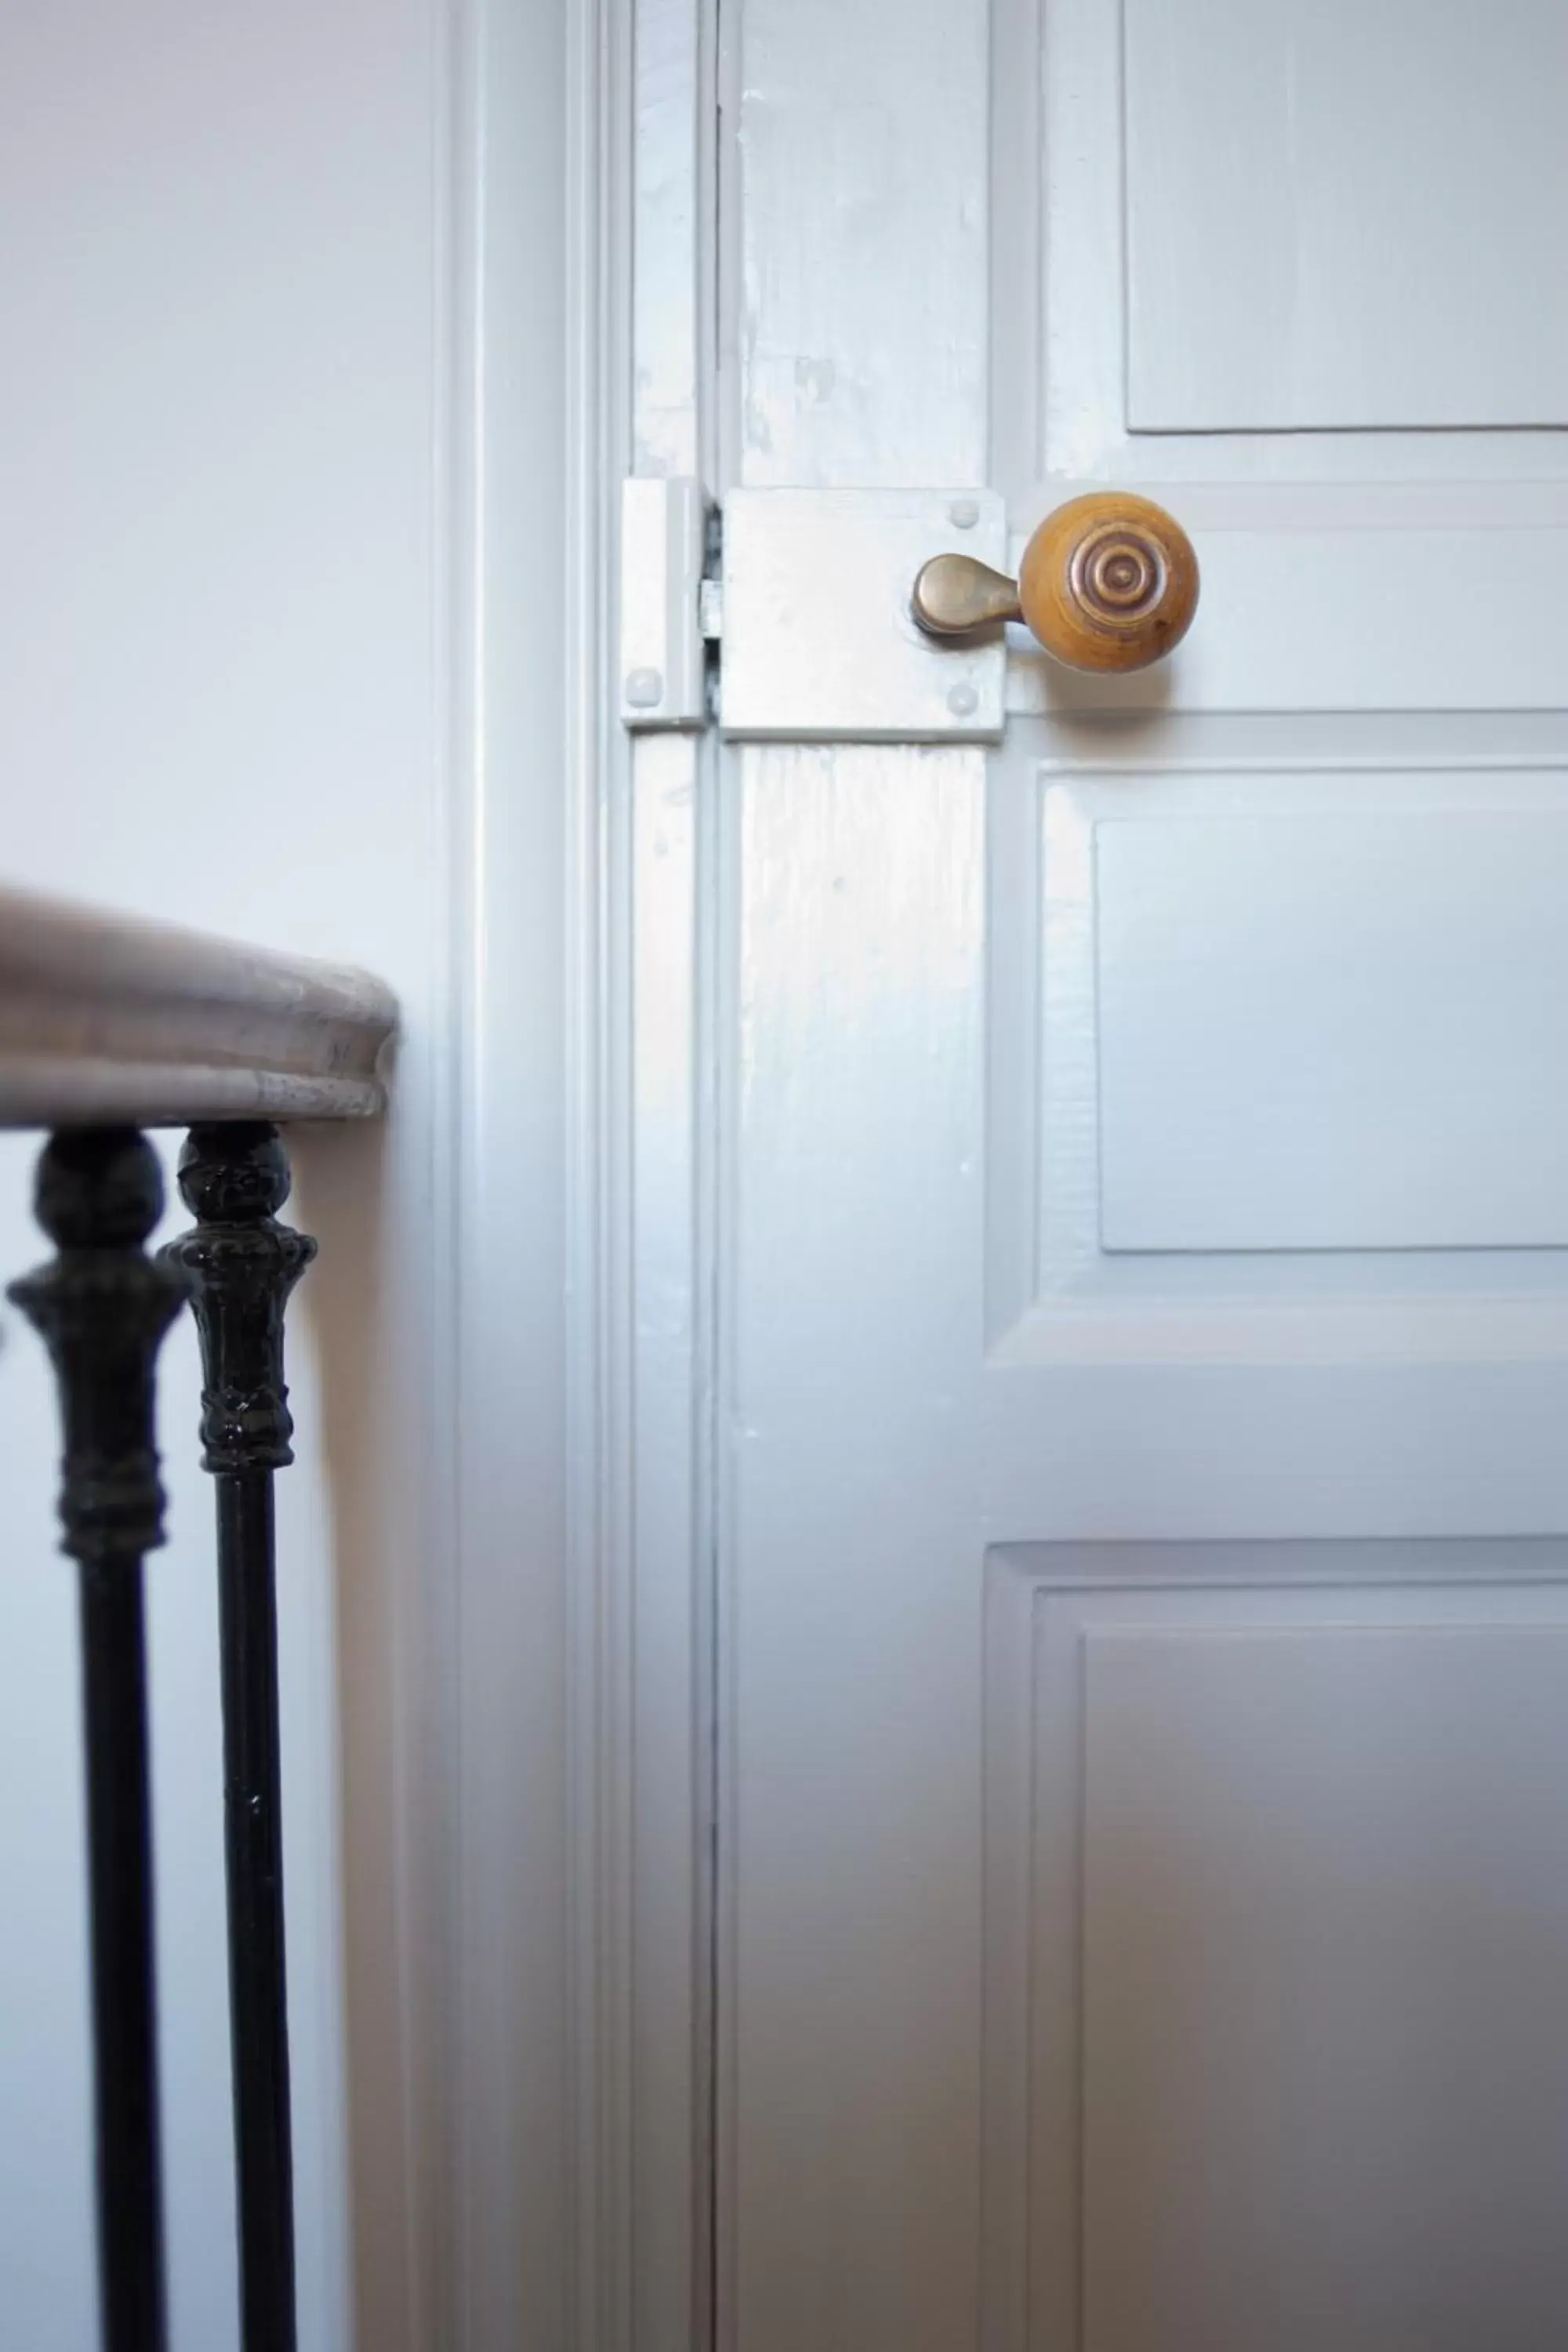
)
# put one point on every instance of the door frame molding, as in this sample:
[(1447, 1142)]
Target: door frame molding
[(490, 1974), (644, 1390)]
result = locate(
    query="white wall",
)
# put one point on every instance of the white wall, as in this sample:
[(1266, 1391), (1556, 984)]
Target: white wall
[(232, 388)]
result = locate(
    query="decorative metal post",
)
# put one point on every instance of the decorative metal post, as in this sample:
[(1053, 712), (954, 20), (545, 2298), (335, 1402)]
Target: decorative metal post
[(241, 1266), (103, 1307)]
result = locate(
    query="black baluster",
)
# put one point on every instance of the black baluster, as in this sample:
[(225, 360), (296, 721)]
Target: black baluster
[(102, 1307), (241, 1266)]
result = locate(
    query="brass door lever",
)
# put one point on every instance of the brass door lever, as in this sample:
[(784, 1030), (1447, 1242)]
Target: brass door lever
[(1108, 581)]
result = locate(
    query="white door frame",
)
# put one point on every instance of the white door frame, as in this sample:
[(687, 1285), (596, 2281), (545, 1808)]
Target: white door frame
[(490, 1973), (551, 2186), (644, 1501)]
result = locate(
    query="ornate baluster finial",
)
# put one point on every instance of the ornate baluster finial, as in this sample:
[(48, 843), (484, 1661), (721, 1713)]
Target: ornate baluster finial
[(102, 1308)]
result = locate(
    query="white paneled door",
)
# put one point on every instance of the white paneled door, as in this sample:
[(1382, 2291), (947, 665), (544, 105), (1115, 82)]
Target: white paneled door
[(1139, 1207)]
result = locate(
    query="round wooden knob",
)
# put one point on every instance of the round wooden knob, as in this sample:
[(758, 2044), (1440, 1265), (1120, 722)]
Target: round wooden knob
[(1108, 581)]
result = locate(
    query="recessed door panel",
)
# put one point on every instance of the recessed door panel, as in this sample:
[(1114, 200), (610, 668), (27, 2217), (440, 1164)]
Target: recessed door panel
[(1318, 195), (1333, 1031), (1278, 1920)]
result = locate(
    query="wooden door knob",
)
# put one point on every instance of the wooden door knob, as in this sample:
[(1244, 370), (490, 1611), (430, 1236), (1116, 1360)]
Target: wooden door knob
[(1108, 581)]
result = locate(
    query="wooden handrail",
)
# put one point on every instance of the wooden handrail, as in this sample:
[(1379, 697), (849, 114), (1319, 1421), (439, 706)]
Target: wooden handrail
[(108, 1019)]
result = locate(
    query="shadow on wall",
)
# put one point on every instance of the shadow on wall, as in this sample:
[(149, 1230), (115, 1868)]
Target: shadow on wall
[(362, 1327)]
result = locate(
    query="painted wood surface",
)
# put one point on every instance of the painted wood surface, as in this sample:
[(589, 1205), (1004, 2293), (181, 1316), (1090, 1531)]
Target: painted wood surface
[(1342, 216), (1283, 1022), (1078, 1452), (1324, 598), (849, 1921), (1060, 325), (646, 1755)]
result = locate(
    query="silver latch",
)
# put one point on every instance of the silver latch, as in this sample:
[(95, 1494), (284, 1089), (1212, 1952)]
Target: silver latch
[(663, 657), (809, 607), (821, 643)]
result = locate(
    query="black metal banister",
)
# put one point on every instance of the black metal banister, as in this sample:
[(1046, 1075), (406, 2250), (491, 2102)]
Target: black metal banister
[(241, 1266), (108, 1025), (104, 1307)]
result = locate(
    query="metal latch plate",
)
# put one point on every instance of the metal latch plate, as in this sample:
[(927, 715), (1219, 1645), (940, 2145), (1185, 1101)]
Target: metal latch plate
[(819, 642)]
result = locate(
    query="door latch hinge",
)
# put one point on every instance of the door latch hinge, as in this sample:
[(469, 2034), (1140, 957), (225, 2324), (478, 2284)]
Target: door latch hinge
[(663, 650)]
